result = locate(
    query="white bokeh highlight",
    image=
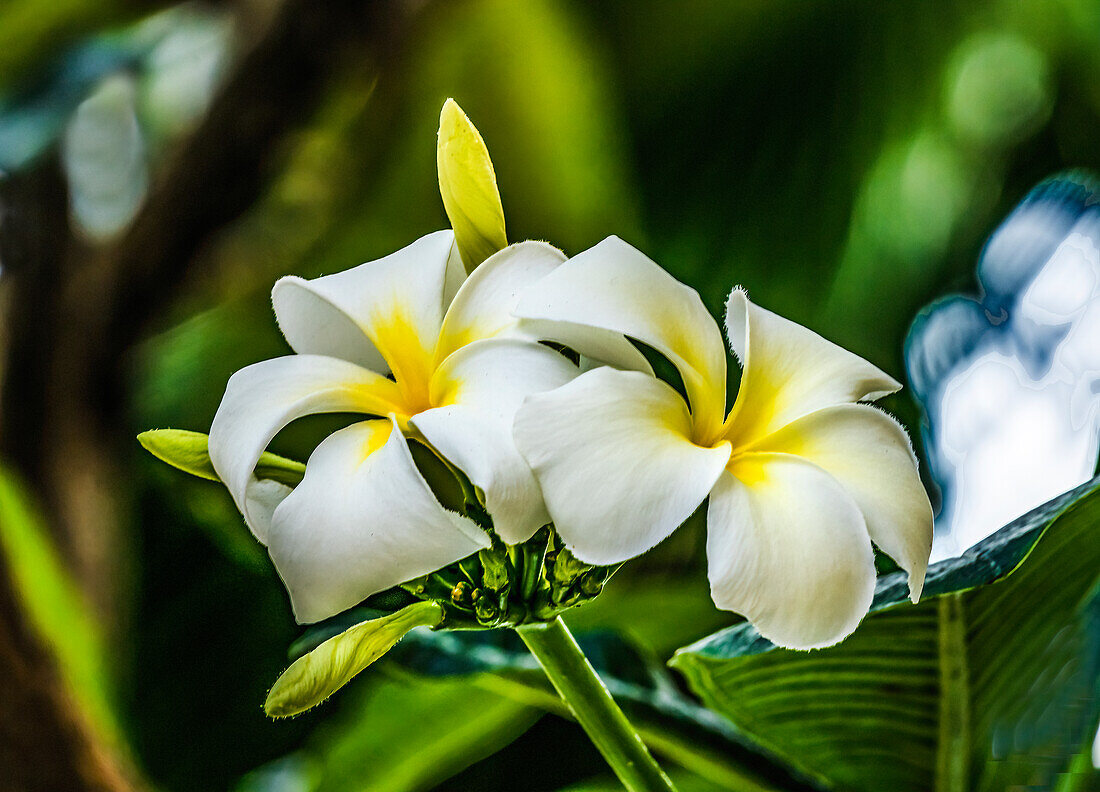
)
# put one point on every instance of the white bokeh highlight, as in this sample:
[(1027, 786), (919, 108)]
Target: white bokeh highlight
[(1014, 438)]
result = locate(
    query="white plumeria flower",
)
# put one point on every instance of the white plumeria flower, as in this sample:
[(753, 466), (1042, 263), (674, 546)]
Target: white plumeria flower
[(801, 478), (404, 340)]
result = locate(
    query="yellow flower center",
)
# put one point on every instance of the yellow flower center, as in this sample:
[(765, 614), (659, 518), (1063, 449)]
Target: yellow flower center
[(410, 359)]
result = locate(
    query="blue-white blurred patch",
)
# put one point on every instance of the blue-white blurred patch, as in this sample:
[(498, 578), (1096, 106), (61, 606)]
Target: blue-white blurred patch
[(1010, 381), (103, 154)]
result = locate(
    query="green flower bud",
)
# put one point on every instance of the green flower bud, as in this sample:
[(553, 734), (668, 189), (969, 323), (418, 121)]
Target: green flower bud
[(188, 452), (314, 677), (494, 566), (461, 594), (567, 568), (468, 186)]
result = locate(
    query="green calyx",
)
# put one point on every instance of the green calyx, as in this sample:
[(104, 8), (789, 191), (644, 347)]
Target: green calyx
[(507, 585), (511, 585), (501, 586)]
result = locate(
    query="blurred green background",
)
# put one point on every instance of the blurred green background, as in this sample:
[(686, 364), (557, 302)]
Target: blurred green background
[(164, 163)]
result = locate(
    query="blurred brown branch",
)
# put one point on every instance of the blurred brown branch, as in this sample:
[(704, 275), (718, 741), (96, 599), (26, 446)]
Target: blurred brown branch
[(45, 743)]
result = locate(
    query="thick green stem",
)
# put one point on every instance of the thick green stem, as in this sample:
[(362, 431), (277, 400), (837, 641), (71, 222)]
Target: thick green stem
[(591, 704)]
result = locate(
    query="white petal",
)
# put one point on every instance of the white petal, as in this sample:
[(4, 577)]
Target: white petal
[(377, 314), (790, 371), (362, 520), (611, 452), (787, 548), (868, 452), (597, 347), (479, 388), (262, 497), (496, 375), (262, 398), (484, 450), (616, 287), (483, 306)]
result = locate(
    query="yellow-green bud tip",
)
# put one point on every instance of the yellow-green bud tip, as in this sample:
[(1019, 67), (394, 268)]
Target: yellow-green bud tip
[(468, 186)]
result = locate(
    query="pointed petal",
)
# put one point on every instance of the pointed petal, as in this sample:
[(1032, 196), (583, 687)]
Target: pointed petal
[(597, 346), (468, 186), (611, 452), (362, 520), (787, 548), (384, 315), (789, 371), (615, 287), (262, 398), (868, 452), (483, 306), (479, 388)]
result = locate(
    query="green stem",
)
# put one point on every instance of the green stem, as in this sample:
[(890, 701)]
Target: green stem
[(953, 761), (591, 704)]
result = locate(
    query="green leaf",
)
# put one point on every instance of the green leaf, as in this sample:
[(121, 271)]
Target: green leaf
[(989, 683), (431, 730), (468, 186), (188, 452), (684, 782), (672, 724), (411, 734), (314, 677)]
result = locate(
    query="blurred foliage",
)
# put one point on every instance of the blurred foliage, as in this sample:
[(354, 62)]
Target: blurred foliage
[(842, 159), (31, 33), (58, 610)]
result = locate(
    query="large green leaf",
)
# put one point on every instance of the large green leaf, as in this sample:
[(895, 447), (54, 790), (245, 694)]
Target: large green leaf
[(978, 687), (393, 736), (672, 724)]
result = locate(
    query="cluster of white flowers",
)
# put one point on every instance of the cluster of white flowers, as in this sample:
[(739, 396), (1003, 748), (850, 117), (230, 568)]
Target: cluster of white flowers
[(801, 478)]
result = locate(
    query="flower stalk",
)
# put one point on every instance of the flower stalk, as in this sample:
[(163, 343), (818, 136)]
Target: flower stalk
[(591, 704)]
